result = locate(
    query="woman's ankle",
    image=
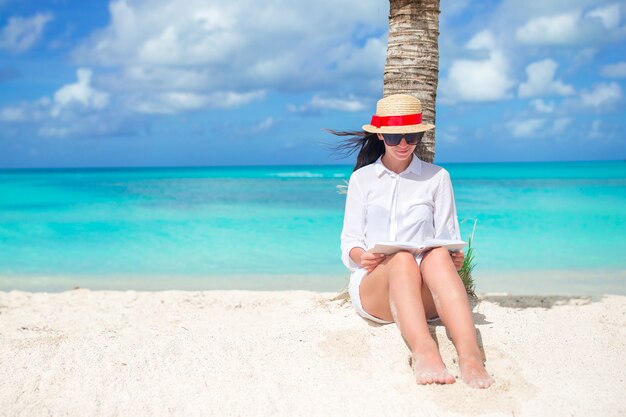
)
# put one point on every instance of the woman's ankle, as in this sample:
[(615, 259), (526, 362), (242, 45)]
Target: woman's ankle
[(469, 350), (424, 347)]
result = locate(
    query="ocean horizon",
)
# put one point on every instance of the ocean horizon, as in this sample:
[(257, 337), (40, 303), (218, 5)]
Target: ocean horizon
[(134, 167), (541, 227)]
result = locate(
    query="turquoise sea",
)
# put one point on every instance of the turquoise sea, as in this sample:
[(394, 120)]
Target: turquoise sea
[(542, 228)]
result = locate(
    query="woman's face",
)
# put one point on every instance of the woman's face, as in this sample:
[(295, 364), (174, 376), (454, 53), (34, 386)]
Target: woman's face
[(401, 152)]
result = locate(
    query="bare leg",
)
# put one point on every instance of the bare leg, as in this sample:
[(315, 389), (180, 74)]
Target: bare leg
[(451, 301), (394, 291)]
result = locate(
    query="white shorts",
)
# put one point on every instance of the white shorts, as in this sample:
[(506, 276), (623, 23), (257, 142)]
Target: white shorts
[(353, 289)]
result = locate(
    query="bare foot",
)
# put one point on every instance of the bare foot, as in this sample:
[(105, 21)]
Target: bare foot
[(473, 371), (428, 368)]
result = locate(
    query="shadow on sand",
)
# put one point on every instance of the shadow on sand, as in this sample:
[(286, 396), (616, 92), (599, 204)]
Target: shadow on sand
[(535, 301)]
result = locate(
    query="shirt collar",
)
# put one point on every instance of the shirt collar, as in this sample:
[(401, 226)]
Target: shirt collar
[(415, 167)]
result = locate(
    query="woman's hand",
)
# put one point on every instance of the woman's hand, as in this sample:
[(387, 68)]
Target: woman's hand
[(458, 258), (370, 260)]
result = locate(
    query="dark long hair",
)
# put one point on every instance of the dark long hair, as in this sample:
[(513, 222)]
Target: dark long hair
[(368, 145)]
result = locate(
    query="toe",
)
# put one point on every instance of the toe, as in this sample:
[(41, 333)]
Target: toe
[(483, 383), (432, 377)]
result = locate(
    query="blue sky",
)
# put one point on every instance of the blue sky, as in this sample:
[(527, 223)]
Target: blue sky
[(207, 82)]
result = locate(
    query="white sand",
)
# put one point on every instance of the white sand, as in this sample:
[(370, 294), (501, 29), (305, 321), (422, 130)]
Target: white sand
[(231, 353)]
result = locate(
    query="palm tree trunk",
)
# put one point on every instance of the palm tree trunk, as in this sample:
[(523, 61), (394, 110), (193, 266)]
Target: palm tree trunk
[(412, 65)]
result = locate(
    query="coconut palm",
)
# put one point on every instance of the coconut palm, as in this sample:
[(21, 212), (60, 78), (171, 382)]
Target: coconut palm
[(412, 65)]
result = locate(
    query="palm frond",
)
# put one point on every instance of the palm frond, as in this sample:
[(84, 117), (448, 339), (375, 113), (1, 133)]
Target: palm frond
[(468, 266)]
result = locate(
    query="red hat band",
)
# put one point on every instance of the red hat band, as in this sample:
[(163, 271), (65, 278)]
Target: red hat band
[(406, 120)]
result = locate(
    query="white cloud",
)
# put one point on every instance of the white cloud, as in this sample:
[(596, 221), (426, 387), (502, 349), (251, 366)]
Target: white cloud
[(367, 60), (12, 114), (79, 93), (583, 57), (167, 103), (450, 134), (75, 110), (524, 128), (573, 27), (596, 130), (228, 99), (35, 111), (176, 56), (175, 102), (244, 128), (542, 107), (265, 124), (609, 15), (559, 29), (334, 103), (318, 102), (482, 40), (560, 124), (540, 127), (617, 70), (156, 79), (541, 81), (21, 33), (238, 46), (45, 118), (603, 94), (54, 131), (478, 80)]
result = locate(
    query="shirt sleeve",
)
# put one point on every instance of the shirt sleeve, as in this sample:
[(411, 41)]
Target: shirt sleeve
[(445, 218), (353, 233)]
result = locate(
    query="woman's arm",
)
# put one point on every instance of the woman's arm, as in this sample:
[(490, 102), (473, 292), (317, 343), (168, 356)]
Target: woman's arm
[(446, 220), (367, 260), (356, 254), (353, 233)]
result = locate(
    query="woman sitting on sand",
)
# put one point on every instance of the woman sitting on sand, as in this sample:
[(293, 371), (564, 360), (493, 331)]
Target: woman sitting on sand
[(394, 196)]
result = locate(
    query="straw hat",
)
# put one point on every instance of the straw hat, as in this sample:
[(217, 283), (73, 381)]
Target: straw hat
[(398, 113)]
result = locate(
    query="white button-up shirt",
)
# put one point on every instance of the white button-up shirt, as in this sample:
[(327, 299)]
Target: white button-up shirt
[(412, 206)]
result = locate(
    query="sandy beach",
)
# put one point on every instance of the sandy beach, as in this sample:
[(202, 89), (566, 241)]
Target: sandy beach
[(296, 353)]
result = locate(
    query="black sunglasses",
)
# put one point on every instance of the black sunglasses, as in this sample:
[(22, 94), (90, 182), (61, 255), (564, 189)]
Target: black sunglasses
[(394, 139)]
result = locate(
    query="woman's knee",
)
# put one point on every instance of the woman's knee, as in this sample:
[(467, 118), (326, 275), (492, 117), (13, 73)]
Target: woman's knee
[(403, 267), (436, 255), (402, 259), (440, 251)]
